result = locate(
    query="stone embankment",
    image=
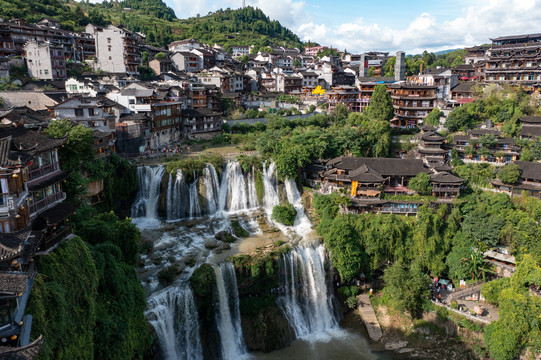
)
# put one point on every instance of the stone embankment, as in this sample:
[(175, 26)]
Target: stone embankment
[(369, 317)]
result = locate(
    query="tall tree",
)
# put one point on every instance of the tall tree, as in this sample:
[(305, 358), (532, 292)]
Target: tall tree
[(381, 105)]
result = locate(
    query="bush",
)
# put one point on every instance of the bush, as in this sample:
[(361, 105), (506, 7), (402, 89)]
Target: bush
[(238, 230), (509, 174), (284, 214), (168, 274)]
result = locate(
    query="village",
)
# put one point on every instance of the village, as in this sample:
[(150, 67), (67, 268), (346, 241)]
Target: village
[(193, 92)]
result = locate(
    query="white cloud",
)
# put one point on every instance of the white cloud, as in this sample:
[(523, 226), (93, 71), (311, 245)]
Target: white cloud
[(478, 23)]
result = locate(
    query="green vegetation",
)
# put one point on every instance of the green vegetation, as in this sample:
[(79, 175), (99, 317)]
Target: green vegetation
[(407, 288), (203, 282), (421, 184), (87, 300), (501, 106), (509, 174), (518, 326), (238, 230), (194, 165), (245, 26), (433, 119), (382, 107), (477, 174), (284, 214)]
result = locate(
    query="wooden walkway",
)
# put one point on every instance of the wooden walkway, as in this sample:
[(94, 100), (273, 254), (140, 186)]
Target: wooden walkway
[(369, 317)]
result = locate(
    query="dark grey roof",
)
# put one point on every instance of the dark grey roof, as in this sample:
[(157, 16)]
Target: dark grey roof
[(28, 352), (366, 175), (531, 119), (12, 282), (383, 166), (530, 130), (464, 87), (11, 244), (530, 170), (137, 92), (446, 178), (49, 180)]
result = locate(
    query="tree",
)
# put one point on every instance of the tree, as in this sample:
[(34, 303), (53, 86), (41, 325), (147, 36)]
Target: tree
[(297, 62), (421, 184), (433, 119), (381, 105), (78, 148), (284, 214), (160, 55), (509, 174), (347, 254), (340, 113), (408, 288)]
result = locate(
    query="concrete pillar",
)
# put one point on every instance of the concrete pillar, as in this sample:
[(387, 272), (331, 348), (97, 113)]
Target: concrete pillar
[(363, 68), (400, 66)]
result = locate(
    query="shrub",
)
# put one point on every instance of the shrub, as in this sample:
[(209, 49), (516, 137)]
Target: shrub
[(284, 214), (238, 230), (509, 174), (168, 274)]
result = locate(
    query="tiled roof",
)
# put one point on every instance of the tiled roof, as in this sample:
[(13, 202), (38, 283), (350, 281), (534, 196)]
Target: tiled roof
[(12, 282), (28, 352), (446, 178), (530, 170), (365, 175), (383, 166)]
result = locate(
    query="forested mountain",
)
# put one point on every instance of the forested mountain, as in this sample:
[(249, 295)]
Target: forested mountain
[(246, 26)]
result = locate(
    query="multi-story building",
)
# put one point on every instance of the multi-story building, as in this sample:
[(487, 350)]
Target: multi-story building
[(367, 86), (531, 127), (184, 45), (201, 123), (117, 49), (134, 97), (45, 60), (515, 60), (160, 65), (187, 61), (166, 123), (411, 103), (475, 54), (443, 79), (313, 51), (239, 50), (287, 83), (344, 94), (309, 78)]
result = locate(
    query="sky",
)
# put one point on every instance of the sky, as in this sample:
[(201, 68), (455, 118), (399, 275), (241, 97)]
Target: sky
[(389, 25)]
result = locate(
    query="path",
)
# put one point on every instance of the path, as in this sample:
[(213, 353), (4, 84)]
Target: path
[(369, 317)]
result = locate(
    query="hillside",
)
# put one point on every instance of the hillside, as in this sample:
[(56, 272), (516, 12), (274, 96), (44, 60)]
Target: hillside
[(247, 26)]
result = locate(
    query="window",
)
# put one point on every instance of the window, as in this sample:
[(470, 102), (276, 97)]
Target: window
[(132, 101), (109, 47), (110, 58), (79, 112), (90, 112), (46, 72)]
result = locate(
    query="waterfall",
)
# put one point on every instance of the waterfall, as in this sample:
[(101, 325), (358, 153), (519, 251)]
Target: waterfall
[(302, 225), (195, 209), (177, 199), (307, 301), (173, 314), (149, 179), (237, 191), (270, 199), (210, 180), (228, 317)]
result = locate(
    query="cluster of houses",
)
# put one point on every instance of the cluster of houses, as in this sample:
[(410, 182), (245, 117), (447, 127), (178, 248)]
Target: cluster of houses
[(34, 218)]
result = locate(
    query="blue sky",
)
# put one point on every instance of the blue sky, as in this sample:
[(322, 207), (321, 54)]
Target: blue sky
[(390, 25)]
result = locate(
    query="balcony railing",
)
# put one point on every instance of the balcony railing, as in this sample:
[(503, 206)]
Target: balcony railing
[(44, 170), (45, 202)]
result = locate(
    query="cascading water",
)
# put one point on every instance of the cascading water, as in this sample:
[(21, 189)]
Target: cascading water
[(307, 301), (270, 199), (228, 316), (177, 199), (173, 314), (237, 191), (302, 225), (212, 190), (149, 179), (195, 209)]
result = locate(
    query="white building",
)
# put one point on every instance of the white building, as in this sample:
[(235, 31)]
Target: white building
[(117, 49), (44, 60)]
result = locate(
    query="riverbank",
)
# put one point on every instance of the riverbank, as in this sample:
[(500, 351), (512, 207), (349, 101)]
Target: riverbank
[(437, 335)]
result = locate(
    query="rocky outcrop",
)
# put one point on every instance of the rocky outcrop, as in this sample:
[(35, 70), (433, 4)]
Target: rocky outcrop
[(267, 330)]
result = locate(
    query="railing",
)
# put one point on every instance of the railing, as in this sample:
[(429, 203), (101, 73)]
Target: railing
[(43, 203), (44, 170), (52, 239)]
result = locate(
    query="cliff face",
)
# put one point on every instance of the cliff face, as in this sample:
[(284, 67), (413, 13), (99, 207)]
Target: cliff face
[(267, 330)]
